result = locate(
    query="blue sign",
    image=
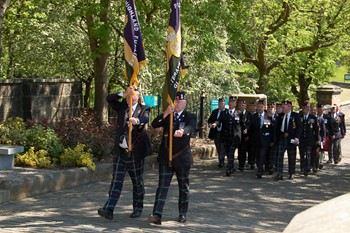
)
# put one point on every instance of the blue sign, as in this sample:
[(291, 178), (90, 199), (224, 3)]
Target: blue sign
[(151, 100), (214, 104)]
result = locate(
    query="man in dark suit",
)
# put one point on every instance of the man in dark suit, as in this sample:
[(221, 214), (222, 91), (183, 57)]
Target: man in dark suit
[(337, 131), (271, 111), (287, 135), (184, 124), (245, 145), (125, 160), (317, 155), (232, 132), (309, 137), (261, 135), (215, 131)]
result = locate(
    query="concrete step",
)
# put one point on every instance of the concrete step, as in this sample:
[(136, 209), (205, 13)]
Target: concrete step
[(4, 195)]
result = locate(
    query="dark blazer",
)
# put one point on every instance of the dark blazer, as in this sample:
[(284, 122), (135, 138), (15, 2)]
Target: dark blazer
[(321, 128), (261, 136), (294, 126), (182, 156), (336, 126), (212, 119), (246, 120), (141, 146), (231, 127), (309, 131)]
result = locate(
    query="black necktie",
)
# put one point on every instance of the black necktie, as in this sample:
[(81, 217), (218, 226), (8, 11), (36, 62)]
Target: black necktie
[(286, 124)]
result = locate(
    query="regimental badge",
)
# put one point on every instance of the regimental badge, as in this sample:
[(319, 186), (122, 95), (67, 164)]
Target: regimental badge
[(294, 125)]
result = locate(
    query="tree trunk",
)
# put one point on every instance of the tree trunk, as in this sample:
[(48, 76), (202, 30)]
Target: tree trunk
[(304, 84), (86, 98), (3, 7), (99, 43), (100, 104)]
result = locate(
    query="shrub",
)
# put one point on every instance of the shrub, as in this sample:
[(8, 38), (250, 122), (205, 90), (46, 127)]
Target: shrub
[(78, 157), (44, 139), (12, 131), (86, 130), (35, 159)]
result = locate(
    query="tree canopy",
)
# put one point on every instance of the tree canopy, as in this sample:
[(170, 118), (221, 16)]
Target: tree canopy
[(229, 47)]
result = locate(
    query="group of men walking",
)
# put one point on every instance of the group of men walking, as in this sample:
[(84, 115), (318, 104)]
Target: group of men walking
[(264, 135)]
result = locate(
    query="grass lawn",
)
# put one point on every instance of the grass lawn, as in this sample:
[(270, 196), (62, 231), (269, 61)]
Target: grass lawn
[(339, 77), (339, 74)]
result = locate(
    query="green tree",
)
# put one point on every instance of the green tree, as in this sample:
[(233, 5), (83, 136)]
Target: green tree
[(266, 33)]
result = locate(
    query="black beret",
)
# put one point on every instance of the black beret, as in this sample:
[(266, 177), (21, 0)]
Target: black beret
[(320, 105), (287, 102), (271, 104), (306, 103), (221, 99), (180, 95), (232, 98)]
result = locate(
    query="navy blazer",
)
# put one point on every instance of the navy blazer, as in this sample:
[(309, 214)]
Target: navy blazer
[(231, 127), (294, 126), (141, 145), (309, 131), (182, 156), (261, 136), (212, 119)]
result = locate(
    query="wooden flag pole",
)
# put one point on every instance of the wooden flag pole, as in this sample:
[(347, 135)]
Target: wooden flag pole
[(130, 125), (171, 139)]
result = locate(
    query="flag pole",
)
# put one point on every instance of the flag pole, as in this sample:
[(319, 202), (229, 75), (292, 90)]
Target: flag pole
[(130, 125), (171, 138)]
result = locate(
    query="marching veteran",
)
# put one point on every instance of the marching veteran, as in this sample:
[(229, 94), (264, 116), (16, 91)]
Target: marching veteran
[(184, 124)]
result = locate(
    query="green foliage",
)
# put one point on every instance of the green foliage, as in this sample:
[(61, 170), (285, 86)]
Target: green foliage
[(44, 138), (78, 157), (32, 158), (86, 130), (12, 131)]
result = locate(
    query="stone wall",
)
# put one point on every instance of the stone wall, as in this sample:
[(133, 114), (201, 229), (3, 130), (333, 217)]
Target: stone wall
[(40, 99)]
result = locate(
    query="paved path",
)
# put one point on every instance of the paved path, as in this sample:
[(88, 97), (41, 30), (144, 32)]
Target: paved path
[(239, 203)]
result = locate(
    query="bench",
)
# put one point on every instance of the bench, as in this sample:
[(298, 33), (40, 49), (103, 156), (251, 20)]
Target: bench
[(7, 153)]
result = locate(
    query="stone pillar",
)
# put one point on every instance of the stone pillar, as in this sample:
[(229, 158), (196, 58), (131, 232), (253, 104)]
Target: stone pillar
[(328, 95)]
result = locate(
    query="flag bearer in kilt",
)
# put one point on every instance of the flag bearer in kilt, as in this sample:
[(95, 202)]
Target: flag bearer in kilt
[(261, 135), (232, 132), (309, 137), (124, 160), (288, 134), (184, 124)]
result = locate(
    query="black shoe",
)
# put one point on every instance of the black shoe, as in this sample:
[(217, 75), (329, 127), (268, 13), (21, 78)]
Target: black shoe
[(106, 213), (330, 161), (182, 218), (229, 171), (252, 167), (259, 176), (135, 214), (292, 176), (271, 172), (241, 169), (306, 173), (154, 219), (220, 165), (279, 177), (320, 166)]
